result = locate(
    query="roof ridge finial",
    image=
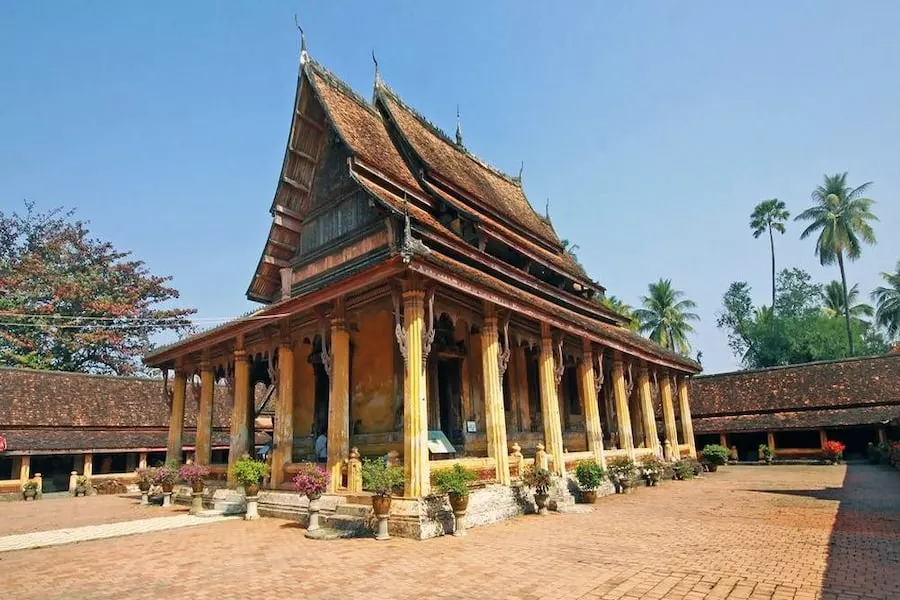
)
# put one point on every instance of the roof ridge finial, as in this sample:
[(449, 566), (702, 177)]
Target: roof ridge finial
[(304, 56), (459, 139), (547, 209), (377, 71), (521, 168)]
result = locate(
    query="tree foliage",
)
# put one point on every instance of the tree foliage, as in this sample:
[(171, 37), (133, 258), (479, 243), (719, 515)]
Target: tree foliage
[(665, 316), (71, 302), (798, 330), (841, 217), (887, 303), (618, 306), (833, 301), (768, 216)]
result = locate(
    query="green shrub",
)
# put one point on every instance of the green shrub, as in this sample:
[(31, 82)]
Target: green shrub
[(539, 479), (380, 478), (714, 454), (31, 484), (82, 481), (453, 480), (247, 471), (684, 469), (765, 451), (589, 474)]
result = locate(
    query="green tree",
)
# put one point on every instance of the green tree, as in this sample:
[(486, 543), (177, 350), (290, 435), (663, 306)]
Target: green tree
[(841, 216), (767, 216), (665, 316), (616, 305), (70, 302), (887, 303), (833, 300)]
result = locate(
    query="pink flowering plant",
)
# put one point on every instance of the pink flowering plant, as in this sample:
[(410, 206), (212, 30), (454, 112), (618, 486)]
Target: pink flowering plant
[(165, 474), (310, 480), (193, 473)]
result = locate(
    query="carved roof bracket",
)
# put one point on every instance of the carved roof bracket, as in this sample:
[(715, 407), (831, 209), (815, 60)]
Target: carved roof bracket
[(629, 380), (428, 331), (598, 371), (560, 360), (399, 332), (504, 353)]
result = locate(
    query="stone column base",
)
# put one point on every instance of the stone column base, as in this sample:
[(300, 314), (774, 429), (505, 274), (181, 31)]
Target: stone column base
[(381, 533), (252, 513), (460, 529), (145, 499), (167, 499), (196, 503)]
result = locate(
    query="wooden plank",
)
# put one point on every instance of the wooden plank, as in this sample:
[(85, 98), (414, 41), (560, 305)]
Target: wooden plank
[(311, 122), (302, 154), (282, 245), (287, 222), (281, 209), (295, 184), (272, 260)]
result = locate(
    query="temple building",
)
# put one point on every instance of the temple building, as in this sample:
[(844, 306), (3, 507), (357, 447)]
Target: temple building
[(414, 302), (795, 409)]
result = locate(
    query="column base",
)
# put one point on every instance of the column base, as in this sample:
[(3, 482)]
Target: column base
[(167, 499), (381, 533), (196, 503), (252, 513)]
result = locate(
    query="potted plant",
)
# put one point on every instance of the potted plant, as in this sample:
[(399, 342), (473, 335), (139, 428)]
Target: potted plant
[(30, 489), (714, 456), (651, 468), (833, 451), (540, 480), (590, 476), (165, 476), (144, 478), (455, 483), (248, 473), (684, 469), (194, 475), (81, 485), (766, 454), (620, 471), (311, 479), (381, 478)]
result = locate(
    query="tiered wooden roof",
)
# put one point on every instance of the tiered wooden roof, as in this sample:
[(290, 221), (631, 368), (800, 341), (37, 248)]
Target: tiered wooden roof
[(410, 168)]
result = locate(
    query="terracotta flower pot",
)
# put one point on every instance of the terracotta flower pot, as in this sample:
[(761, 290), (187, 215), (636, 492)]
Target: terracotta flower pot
[(29, 494), (713, 467), (381, 504), (252, 489), (458, 502), (197, 486), (588, 496), (167, 488)]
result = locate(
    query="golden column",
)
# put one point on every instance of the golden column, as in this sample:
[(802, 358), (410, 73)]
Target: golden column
[(687, 426), (339, 400), (283, 438), (550, 402), (415, 407), (650, 433), (623, 415), (665, 393), (176, 418), (495, 417), (240, 435), (203, 447), (588, 390)]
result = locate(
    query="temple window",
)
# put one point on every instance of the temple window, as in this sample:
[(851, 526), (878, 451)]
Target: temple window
[(342, 218)]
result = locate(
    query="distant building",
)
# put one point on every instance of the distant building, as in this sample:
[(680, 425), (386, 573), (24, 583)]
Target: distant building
[(798, 407), (54, 423)]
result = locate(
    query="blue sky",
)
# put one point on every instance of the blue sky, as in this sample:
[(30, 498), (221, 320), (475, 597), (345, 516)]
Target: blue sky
[(653, 127)]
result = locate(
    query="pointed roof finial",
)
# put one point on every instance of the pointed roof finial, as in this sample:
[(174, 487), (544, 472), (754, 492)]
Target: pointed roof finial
[(303, 54), (459, 141), (521, 168), (547, 210), (377, 72)]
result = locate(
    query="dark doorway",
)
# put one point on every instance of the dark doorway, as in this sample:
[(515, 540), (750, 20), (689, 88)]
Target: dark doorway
[(748, 444), (55, 470), (449, 399), (323, 392), (855, 438)]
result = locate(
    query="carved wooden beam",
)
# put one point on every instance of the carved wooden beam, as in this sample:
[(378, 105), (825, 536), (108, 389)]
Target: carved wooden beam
[(288, 223), (278, 262)]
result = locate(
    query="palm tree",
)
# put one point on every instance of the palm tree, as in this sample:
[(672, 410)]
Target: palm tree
[(833, 297), (841, 215), (618, 306), (665, 316), (887, 302), (766, 216)]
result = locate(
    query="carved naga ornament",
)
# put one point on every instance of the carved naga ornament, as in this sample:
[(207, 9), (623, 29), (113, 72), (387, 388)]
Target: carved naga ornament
[(504, 352), (598, 372), (325, 353), (428, 332), (560, 367), (195, 387), (399, 332), (168, 393), (273, 371), (629, 381), (410, 246)]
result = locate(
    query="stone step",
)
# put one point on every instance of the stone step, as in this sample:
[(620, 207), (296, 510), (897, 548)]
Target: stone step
[(327, 533), (347, 523), (354, 510), (358, 498)]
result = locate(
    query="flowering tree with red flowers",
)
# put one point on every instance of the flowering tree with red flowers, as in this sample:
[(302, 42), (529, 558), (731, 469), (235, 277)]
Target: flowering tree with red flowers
[(71, 302)]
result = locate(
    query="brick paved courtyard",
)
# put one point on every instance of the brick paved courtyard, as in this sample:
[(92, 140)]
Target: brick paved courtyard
[(776, 533)]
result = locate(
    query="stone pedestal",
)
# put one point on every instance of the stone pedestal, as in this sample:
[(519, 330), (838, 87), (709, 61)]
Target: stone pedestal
[(381, 532), (313, 514), (460, 529), (145, 498), (252, 513), (196, 503), (167, 499)]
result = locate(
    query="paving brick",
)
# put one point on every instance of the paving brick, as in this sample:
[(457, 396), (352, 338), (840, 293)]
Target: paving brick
[(745, 533)]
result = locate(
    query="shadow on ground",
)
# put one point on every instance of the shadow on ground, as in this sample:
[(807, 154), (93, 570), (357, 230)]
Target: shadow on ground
[(864, 548)]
